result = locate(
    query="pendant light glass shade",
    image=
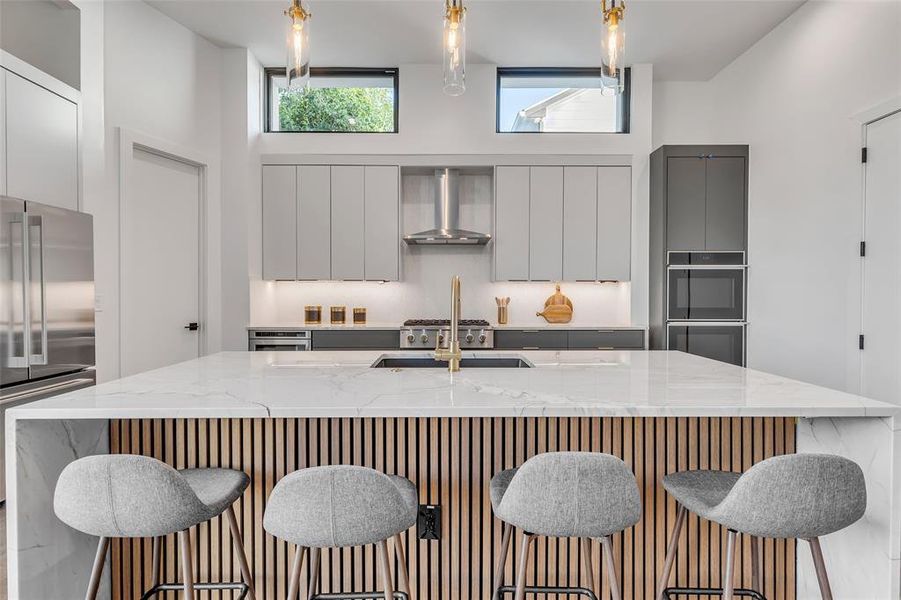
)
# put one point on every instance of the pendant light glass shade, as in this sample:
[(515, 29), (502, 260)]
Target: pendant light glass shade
[(298, 46), (454, 48), (613, 48)]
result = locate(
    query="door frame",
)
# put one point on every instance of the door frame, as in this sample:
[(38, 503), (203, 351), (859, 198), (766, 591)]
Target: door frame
[(865, 119), (129, 141)]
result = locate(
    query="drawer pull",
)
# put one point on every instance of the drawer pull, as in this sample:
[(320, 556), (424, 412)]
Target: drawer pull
[(606, 348), (531, 348)]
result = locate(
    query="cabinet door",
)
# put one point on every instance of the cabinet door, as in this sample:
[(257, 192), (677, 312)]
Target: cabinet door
[(725, 203), (546, 223), (374, 339), (382, 237), (614, 228), (347, 223), (314, 206), (3, 191), (530, 339), (580, 217), (685, 203), (41, 144), (606, 339), (511, 224), (279, 222)]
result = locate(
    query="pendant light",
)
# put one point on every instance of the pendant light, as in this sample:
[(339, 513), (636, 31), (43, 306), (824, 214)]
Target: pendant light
[(613, 47), (454, 47), (298, 46)]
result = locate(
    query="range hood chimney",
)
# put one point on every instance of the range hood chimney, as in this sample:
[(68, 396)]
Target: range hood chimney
[(447, 216)]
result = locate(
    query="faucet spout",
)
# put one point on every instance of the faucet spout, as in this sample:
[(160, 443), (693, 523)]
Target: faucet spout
[(452, 353)]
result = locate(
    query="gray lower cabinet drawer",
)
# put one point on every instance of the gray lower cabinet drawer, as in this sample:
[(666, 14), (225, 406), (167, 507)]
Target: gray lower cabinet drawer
[(518, 339), (377, 339), (603, 339)]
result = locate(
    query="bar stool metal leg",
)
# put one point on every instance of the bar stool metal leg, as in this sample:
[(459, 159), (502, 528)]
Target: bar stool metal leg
[(238, 542), (187, 563), (523, 566), (820, 566), (97, 571), (728, 575), (386, 570), (757, 564), (314, 572), (611, 568), (157, 556), (402, 561), (671, 552), (294, 579), (586, 564), (502, 560)]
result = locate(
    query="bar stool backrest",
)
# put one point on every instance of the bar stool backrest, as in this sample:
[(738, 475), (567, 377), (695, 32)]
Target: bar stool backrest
[(335, 506), (572, 494), (795, 496), (123, 495)]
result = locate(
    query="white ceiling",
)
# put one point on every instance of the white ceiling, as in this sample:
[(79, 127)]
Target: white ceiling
[(686, 40)]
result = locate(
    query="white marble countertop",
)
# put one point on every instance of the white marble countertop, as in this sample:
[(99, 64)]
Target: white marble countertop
[(527, 327), (341, 384)]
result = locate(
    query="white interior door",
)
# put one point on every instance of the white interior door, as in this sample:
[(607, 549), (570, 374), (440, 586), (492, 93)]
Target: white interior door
[(881, 358), (161, 262)]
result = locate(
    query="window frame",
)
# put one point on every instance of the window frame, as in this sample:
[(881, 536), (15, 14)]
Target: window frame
[(625, 104), (270, 72)]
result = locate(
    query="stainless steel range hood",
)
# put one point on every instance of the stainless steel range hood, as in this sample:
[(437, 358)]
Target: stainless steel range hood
[(447, 216)]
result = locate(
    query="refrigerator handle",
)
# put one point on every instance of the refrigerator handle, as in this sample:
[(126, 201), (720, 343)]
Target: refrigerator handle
[(16, 361), (36, 222)]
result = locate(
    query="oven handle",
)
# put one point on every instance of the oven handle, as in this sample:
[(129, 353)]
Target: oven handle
[(706, 267)]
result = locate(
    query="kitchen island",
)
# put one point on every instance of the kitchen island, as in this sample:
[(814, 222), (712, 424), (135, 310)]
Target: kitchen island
[(271, 413)]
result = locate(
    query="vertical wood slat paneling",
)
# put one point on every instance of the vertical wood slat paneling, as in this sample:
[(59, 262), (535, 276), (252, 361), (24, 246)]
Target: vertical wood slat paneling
[(451, 461)]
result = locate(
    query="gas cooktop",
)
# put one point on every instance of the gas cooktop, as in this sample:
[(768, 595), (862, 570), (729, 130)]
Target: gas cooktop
[(445, 323)]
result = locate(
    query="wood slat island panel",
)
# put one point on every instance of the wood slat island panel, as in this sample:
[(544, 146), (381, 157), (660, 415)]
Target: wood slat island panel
[(451, 461)]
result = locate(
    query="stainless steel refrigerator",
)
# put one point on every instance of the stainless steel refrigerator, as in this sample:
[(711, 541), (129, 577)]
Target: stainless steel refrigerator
[(46, 305)]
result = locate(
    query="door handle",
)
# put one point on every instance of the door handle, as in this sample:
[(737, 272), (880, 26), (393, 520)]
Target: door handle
[(192, 326), (37, 222), (15, 360)]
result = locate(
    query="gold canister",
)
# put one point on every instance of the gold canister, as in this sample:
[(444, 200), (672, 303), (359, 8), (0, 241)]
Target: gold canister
[(359, 316), (338, 315), (312, 315)]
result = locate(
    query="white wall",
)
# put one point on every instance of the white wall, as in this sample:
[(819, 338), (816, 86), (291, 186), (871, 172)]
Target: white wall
[(793, 97), (159, 79), (434, 123)]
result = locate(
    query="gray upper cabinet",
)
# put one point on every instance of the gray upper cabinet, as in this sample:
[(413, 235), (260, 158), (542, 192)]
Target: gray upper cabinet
[(563, 223), (382, 227), (546, 223), (511, 224), (614, 224), (580, 218), (686, 203), (706, 200), (314, 204), (324, 222), (41, 139), (347, 223), (725, 222), (279, 222)]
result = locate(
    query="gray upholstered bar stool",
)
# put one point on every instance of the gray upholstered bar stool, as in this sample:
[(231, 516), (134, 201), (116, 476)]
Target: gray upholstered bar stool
[(584, 495), (340, 506), (128, 496), (802, 496)]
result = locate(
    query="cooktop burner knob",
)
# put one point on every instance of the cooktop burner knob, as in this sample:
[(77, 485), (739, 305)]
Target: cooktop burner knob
[(482, 337), (424, 337), (441, 338), (469, 336), (410, 337)]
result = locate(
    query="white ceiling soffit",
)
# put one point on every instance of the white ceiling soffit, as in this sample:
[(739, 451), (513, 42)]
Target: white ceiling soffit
[(686, 40)]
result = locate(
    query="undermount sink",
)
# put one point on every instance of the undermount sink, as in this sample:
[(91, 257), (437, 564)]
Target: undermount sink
[(426, 361)]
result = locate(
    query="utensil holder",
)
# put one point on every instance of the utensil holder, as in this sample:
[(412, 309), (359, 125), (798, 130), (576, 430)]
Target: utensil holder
[(502, 315)]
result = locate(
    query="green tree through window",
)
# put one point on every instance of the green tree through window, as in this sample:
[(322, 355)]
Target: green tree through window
[(342, 109)]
